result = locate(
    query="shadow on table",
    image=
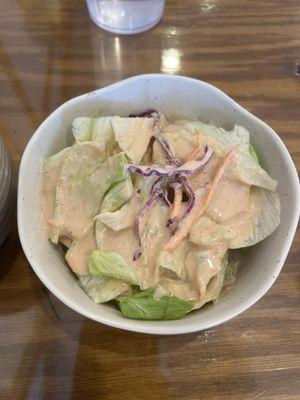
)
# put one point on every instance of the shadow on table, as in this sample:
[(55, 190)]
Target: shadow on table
[(10, 249)]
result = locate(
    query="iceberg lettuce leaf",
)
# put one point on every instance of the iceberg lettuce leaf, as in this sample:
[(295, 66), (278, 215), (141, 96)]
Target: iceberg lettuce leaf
[(118, 195), (82, 129), (123, 218), (253, 153), (103, 134), (112, 265), (214, 287), (266, 222), (102, 289), (207, 232), (173, 260), (246, 169), (84, 179), (133, 135), (144, 306)]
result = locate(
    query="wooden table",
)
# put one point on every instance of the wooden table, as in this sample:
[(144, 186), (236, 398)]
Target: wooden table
[(50, 52)]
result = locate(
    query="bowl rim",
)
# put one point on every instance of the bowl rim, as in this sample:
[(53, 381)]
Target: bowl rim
[(141, 326)]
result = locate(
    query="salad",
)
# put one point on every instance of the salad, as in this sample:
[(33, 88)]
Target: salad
[(155, 215)]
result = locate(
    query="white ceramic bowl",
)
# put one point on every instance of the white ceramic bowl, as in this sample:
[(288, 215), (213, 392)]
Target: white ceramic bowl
[(173, 95)]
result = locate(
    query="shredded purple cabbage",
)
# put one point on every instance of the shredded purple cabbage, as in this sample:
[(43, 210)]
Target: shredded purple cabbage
[(164, 196), (165, 145), (144, 114), (171, 171), (156, 185)]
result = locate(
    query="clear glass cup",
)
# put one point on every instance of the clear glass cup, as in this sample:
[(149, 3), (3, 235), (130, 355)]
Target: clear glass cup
[(126, 16)]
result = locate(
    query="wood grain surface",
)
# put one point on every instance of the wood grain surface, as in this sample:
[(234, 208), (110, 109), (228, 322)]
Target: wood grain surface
[(51, 52)]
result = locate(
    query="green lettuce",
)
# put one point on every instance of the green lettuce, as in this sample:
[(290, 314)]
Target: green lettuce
[(103, 134), (56, 161), (214, 287), (253, 153), (207, 232), (120, 219), (171, 262), (269, 217), (102, 289), (144, 306), (266, 222), (82, 129), (112, 265), (246, 168), (84, 177), (117, 196), (133, 135)]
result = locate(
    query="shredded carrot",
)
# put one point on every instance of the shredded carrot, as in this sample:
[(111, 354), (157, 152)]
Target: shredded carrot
[(196, 150), (175, 210), (201, 204)]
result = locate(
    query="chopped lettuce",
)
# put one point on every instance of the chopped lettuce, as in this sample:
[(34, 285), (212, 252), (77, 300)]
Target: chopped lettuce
[(118, 195), (249, 171), (144, 306), (82, 129), (180, 141), (102, 289), (83, 181), (56, 161), (253, 153), (79, 162), (78, 253), (173, 260), (230, 273), (207, 232), (238, 135), (266, 222), (51, 171), (112, 265), (133, 135), (103, 134), (121, 219), (214, 287), (98, 130), (93, 205), (246, 169), (269, 218)]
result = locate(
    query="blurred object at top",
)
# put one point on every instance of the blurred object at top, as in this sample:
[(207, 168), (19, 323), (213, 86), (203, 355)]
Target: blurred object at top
[(126, 17)]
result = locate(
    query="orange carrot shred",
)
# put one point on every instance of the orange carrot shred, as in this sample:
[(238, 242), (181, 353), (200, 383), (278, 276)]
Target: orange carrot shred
[(175, 210), (196, 150), (201, 207)]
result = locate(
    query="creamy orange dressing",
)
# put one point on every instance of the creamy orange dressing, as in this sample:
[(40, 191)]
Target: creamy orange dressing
[(204, 263), (79, 251), (243, 222), (203, 177), (154, 233), (230, 198), (201, 265), (182, 289), (181, 142), (77, 192), (65, 241), (232, 207), (49, 183)]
